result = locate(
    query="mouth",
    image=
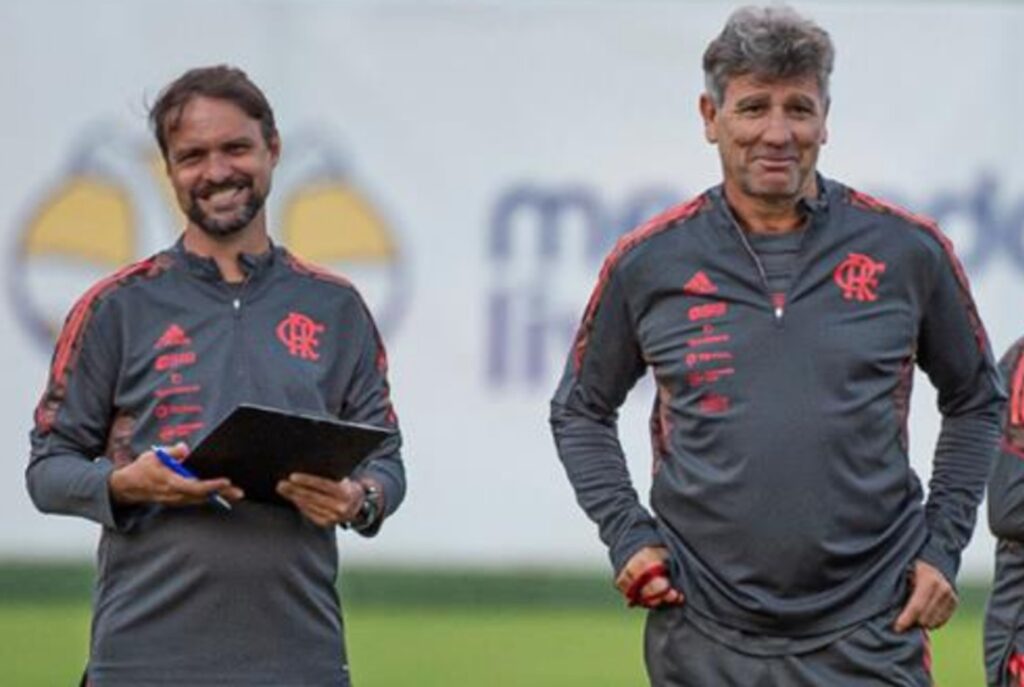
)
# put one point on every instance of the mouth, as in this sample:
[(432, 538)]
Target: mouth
[(225, 196), (781, 161)]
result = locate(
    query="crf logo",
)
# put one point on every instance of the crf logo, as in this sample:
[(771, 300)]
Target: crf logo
[(299, 333), (858, 276)]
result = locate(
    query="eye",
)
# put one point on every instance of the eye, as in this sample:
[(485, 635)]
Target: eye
[(187, 157), (802, 110), (237, 148), (751, 109)]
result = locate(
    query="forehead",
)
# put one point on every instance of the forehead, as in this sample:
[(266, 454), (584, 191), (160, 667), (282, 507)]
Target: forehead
[(750, 85), (203, 120)]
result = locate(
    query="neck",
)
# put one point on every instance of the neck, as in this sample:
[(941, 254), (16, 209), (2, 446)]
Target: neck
[(225, 250), (769, 214)]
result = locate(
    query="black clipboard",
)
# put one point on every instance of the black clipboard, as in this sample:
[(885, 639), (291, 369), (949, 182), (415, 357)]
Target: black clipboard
[(255, 447)]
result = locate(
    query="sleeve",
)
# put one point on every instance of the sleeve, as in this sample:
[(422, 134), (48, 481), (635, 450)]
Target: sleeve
[(953, 350), (67, 473), (368, 400), (603, 366), (1006, 483)]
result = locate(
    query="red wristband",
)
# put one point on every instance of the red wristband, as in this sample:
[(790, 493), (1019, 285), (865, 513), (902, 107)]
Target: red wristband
[(634, 591)]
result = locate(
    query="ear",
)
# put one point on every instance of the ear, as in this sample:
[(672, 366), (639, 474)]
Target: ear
[(274, 145), (709, 113), (824, 122)]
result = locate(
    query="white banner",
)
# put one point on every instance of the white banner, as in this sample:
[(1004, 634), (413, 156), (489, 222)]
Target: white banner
[(468, 165)]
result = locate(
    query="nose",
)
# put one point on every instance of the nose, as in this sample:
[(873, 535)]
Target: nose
[(217, 168), (777, 129)]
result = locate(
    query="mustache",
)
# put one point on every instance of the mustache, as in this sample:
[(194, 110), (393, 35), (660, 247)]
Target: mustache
[(232, 183)]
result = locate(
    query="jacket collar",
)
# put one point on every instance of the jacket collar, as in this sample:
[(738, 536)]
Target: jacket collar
[(206, 267)]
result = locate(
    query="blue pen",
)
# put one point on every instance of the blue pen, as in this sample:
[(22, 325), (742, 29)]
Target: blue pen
[(165, 458)]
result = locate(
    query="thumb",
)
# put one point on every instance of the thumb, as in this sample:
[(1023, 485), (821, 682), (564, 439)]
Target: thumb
[(911, 612)]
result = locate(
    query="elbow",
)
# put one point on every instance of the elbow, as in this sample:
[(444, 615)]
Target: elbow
[(1001, 520), (37, 491)]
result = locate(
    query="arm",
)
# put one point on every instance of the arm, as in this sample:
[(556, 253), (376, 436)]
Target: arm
[(1006, 483), (67, 473), (605, 363), (953, 350)]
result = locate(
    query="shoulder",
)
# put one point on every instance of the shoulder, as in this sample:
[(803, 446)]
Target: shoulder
[(119, 284), (321, 282), (300, 268), (917, 229), (648, 236)]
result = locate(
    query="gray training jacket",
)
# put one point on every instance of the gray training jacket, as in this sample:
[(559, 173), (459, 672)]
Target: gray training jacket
[(157, 353), (782, 485), (1004, 617)]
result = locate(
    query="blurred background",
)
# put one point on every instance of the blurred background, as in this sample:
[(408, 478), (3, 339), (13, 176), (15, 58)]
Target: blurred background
[(468, 165)]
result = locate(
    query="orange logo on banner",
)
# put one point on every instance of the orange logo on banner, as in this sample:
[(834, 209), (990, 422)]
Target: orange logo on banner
[(299, 333), (858, 276)]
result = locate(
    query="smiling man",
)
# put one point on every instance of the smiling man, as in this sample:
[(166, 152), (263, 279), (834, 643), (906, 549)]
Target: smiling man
[(156, 354), (781, 314)]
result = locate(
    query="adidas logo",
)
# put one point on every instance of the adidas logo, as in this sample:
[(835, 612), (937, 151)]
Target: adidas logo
[(700, 285), (173, 336)]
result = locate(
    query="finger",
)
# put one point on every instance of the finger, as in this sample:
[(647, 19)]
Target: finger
[(232, 493), (634, 591), (911, 613), (674, 597), (317, 514), (660, 592), (312, 508), (304, 493), (654, 592), (939, 611), (320, 484)]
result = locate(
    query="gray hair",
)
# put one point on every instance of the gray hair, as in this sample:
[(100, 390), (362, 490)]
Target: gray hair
[(770, 43)]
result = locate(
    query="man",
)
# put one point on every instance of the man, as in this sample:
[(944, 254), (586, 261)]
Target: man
[(781, 314), (1004, 617), (155, 355)]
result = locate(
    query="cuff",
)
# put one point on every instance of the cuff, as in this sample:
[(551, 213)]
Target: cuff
[(641, 535), (942, 558)]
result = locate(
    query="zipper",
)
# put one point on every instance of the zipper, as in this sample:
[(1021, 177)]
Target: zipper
[(778, 310), (239, 349)]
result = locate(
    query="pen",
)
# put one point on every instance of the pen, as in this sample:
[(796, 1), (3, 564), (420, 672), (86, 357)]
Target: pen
[(165, 458)]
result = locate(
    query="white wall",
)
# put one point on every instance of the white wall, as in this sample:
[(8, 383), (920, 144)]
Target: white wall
[(436, 114)]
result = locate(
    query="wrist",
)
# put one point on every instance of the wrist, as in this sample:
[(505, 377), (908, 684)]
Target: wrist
[(370, 508)]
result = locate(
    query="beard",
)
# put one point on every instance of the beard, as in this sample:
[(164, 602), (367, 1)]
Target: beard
[(222, 228)]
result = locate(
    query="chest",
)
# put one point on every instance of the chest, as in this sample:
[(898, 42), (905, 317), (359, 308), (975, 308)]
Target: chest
[(188, 362), (713, 326)]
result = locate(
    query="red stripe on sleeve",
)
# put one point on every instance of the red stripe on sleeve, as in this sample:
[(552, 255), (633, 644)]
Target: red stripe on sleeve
[(69, 341), (631, 240)]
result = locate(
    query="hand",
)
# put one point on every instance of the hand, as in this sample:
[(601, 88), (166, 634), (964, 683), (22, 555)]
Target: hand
[(932, 600), (323, 501), (644, 580), (147, 480)]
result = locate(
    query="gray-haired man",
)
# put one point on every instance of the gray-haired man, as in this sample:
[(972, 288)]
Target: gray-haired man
[(782, 315)]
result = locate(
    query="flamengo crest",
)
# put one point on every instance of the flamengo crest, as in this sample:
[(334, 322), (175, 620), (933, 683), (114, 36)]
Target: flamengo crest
[(298, 333), (858, 277)]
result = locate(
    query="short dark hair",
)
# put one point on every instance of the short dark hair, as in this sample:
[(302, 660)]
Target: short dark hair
[(221, 82), (770, 43)]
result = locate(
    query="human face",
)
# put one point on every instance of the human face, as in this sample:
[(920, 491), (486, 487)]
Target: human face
[(768, 136), (220, 166)]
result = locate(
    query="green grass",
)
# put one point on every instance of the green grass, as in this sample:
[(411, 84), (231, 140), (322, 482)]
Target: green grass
[(427, 628)]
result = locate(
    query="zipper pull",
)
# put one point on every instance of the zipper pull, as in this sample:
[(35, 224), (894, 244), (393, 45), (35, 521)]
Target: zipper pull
[(237, 304), (779, 302)]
